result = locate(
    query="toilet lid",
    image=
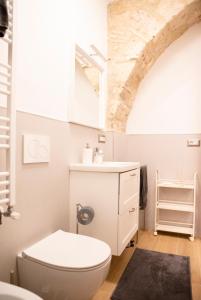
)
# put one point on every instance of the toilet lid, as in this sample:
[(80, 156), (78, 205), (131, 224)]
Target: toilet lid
[(69, 251)]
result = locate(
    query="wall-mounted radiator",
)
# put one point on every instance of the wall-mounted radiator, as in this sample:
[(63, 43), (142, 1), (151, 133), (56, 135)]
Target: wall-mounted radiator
[(7, 121)]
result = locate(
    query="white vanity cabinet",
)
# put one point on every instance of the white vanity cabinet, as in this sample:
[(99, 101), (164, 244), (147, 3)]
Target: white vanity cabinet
[(114, 195)]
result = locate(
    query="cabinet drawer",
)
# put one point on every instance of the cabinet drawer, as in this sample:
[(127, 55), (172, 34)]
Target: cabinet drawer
[(129, 189), (127, 227)]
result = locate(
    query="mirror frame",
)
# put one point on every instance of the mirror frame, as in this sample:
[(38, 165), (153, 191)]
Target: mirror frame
[(82, 55)]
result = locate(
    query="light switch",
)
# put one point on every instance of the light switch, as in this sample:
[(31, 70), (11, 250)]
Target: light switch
[(36, 148), (193, 142), (101, 138)]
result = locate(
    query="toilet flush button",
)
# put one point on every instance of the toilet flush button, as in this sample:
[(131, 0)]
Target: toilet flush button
[(36, 148)]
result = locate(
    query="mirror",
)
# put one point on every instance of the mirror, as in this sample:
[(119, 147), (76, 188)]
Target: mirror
[(88, 105)]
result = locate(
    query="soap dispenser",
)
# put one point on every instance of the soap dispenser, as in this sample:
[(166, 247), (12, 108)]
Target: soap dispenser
[(98, 156), (87, 155)]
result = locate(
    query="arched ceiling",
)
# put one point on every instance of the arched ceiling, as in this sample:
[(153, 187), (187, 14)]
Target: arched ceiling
[(139, 31)]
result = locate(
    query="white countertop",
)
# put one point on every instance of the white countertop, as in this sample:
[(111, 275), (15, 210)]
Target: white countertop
[(106, 166)]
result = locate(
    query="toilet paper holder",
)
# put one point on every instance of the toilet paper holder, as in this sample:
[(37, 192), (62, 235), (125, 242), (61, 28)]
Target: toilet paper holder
[(85, 214)]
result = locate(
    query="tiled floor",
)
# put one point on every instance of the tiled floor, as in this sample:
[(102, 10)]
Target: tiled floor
[(174, 244)]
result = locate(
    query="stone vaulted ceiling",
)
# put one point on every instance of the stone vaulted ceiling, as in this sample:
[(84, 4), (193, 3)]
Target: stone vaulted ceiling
[(139, 31)]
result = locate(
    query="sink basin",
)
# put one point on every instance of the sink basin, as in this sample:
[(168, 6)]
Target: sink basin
[(106, 166), (13, 292)]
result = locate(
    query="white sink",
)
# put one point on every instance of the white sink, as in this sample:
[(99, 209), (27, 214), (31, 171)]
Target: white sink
[(13, 292), (106, 166)]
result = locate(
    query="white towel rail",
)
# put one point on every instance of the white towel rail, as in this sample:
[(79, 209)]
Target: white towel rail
[(6, 128), (6, 66), (4, 174), (4, 146), (7, 40), (4, 119), (7, 123), (4, 182), (4, 137), (6, 93), (7, 84), (6, 75), (4, 201), (4, 192)]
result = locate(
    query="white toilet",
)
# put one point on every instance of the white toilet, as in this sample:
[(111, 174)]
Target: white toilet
[(13, 292), (64, 266)]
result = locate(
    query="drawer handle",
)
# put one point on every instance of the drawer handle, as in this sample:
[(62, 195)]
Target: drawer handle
[(133, 174), (132, 210)]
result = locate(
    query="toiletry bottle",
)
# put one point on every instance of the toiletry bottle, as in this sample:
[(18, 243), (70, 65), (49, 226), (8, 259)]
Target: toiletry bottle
[(98, 156), (87, 155)]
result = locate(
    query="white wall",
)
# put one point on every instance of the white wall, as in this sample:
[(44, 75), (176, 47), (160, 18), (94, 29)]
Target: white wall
[(44, 57), (169, 98), (91, 24), (167, 153), (44, 51)]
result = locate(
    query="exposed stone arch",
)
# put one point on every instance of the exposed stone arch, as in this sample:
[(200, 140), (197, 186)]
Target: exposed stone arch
[(139, 31)]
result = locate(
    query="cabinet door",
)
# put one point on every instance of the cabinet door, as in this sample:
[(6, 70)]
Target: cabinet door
[(127, 226), (129, 190), (100, 191)]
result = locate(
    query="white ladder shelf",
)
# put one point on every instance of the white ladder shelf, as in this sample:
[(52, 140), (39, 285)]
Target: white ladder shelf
[(175, 225)]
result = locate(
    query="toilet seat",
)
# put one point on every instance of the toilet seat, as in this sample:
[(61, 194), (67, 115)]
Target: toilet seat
[(69, 251)]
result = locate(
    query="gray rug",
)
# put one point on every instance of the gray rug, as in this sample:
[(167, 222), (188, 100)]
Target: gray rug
[(152, 275)]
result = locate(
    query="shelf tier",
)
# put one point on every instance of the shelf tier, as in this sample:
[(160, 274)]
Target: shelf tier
[(175, 206), (176, 184), (174, 228)]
